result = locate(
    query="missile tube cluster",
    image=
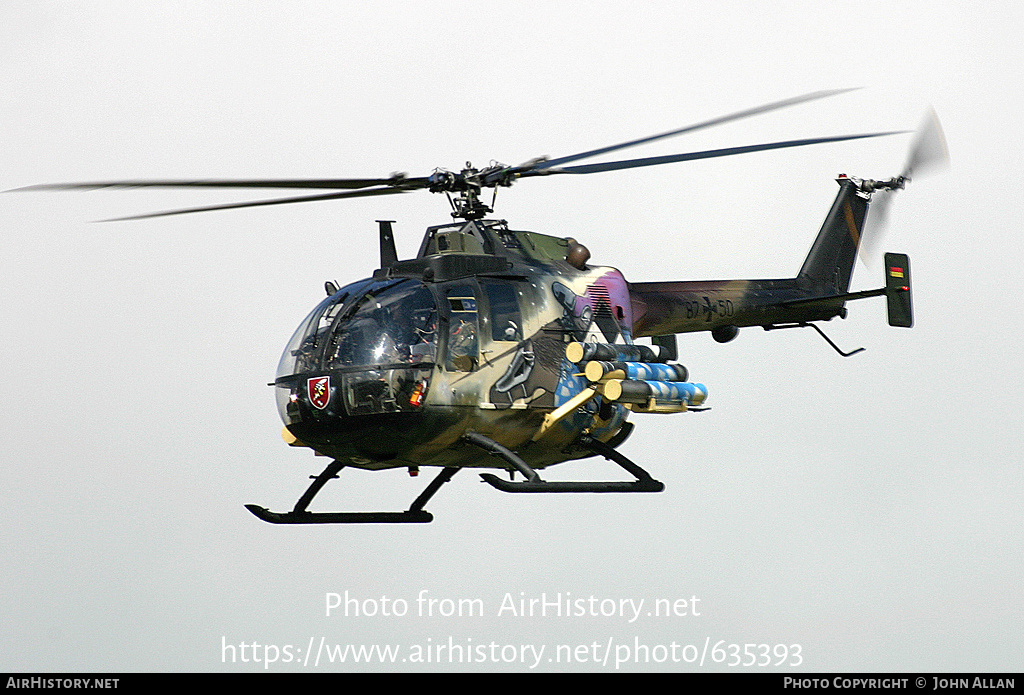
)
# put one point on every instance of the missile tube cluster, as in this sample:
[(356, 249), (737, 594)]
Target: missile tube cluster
[(637, 376)]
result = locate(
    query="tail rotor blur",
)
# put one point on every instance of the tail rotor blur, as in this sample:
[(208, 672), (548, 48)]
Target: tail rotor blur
[(928, 155)]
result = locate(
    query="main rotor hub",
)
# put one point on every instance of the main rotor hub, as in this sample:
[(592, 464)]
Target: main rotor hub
[(467, 185)]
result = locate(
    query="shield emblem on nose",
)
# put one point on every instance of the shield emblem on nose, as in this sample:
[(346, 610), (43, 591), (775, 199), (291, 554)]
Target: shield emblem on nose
[(319, 391)]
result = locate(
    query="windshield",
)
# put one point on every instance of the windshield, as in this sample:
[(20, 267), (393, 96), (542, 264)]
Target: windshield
[(392, 323), (366, 324)]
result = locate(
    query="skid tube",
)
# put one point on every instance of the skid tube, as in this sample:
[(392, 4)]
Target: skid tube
[(415, 514), (533, 483)]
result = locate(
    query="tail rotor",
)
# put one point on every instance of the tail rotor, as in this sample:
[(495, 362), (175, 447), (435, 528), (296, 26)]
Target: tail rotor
[(928, 155)]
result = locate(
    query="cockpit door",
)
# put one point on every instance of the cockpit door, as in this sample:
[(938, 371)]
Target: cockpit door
[(516, 379)]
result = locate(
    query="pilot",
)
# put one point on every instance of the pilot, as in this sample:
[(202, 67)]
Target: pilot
[(425, 332)]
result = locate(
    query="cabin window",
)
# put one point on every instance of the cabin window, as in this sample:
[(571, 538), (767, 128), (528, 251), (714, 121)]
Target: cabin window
[(505, 318), (463, 349)]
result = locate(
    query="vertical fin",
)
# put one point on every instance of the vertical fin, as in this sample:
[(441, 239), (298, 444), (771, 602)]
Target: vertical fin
[(829, 264)]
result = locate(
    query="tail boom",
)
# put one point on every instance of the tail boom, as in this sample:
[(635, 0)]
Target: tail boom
[(819, 291), (662, 308)]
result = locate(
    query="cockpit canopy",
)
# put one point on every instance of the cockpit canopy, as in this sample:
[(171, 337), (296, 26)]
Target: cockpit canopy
[(366, 325)]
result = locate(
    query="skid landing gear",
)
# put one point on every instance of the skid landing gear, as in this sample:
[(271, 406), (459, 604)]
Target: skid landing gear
[(416, 514), (533, 483)]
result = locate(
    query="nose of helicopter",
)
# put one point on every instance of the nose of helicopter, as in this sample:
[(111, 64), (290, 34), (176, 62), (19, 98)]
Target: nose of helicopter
[(329, 397), (370, 414), (354, 377)]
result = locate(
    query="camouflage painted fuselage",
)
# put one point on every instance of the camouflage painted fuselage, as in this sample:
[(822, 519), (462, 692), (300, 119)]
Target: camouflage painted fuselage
[(492, 311), (471, 336)]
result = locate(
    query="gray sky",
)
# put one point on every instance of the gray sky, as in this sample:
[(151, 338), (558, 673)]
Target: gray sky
[(867, 509)]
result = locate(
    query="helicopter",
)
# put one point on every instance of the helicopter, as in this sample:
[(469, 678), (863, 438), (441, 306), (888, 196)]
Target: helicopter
[(502, 349)]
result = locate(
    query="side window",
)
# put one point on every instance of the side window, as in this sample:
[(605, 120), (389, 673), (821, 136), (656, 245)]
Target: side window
[(463, 353), (505, 319)]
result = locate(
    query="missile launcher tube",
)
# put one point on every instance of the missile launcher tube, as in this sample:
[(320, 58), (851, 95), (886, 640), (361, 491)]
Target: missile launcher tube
[(586, 352), (644, 371), (635, 391)]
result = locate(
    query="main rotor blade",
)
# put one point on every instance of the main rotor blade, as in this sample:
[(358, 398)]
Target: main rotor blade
[(260, 203), (233, 183), (707, 154), (746, 113)]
